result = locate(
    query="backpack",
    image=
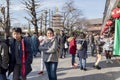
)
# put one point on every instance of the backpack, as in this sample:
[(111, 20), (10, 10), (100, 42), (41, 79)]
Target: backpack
[(80, 45)]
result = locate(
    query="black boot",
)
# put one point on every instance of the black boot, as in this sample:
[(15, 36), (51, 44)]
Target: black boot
[(81, 68), (97, 67)]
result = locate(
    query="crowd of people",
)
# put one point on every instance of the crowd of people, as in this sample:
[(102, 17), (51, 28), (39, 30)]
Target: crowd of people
[(17, 55)]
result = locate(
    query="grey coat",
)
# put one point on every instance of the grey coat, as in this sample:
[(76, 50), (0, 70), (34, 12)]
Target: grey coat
[(83, 53), (49, 49)]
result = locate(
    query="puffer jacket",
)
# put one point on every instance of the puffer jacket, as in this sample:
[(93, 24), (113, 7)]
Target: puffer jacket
[(72, 45)]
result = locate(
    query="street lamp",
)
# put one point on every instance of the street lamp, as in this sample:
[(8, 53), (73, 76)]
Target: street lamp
[(46, 12)]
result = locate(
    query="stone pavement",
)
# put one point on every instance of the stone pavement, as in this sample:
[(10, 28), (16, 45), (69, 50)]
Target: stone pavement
[(66, 72)]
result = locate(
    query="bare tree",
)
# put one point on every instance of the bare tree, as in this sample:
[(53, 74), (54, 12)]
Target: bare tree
[(81, 23), (71, 15), (6, 19), (3, 17), (31, 6)]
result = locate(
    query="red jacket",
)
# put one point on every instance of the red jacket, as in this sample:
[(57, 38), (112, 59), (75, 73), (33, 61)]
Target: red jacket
[(72, 45)]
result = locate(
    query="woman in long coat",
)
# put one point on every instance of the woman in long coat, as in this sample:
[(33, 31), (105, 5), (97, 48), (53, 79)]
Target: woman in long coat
[(72, 48), (50, 54), (82, 54)]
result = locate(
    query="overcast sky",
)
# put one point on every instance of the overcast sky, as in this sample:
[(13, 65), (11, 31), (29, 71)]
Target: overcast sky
[(90, 8)]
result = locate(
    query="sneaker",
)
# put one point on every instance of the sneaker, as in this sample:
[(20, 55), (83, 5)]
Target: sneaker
[(97, 67), (81, 68), (75, 64), (111, 61), (35, 56), (84, 69), (41, 72), (107, 61), (94, 66)]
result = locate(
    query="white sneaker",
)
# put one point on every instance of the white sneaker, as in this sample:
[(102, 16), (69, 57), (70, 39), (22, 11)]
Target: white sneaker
[(107, 61), (111, 61)]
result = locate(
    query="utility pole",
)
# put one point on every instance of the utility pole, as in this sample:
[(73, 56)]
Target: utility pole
[(46, 20), (29, 27), (41, 22), (49, 19), (52, 19)]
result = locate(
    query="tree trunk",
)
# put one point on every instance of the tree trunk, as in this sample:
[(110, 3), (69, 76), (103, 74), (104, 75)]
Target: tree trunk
[(7, 21)]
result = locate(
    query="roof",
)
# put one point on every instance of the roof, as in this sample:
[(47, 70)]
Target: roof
[(95, 21), (57, 15)]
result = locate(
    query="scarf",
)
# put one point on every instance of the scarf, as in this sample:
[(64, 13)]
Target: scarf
[(23, 59)]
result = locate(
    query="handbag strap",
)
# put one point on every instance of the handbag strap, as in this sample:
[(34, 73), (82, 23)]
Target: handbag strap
[(82, 42)]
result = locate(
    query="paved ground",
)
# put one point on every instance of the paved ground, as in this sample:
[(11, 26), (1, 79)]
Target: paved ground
[(66, 72)]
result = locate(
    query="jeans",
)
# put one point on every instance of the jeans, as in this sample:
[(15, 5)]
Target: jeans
[(73, 59), (17, 73), (42, 63), (51, 70), (82, 62), (92, 50), (3, 77), (62, 52)]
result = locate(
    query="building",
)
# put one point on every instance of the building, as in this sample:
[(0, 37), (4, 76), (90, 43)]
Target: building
[(57, 19), (94, 25), (109, 6)]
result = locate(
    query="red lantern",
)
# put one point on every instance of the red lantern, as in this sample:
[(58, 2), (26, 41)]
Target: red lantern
[(116, 13), (109, 22)]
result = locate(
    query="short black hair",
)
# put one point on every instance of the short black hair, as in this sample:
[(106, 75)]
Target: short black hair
[(73, 34), (82, 35), (17, 29), (34, 33), (50, 29)]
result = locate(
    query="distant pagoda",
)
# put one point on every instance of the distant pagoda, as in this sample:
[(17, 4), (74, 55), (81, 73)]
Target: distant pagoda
[(57, 20)]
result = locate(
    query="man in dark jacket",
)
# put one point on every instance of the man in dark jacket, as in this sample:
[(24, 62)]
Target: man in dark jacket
[(21, 55), (62, 44), (35, 44), (4, 60)]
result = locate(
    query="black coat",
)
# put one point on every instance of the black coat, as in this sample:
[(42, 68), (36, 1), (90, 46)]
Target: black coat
[(28, 54)]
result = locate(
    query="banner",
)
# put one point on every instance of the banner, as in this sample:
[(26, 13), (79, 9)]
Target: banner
[(116, 47)]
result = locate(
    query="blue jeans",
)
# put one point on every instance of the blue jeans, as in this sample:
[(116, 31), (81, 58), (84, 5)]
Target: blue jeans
[(73, 59), (3, 77), (83, 62), (52, 70), (62, 52)]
